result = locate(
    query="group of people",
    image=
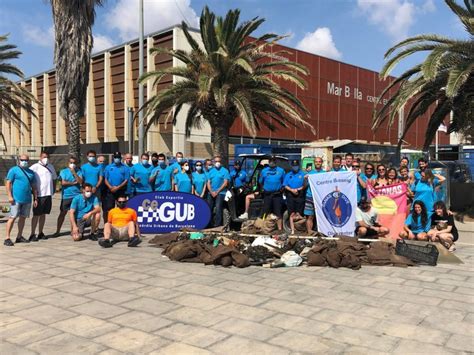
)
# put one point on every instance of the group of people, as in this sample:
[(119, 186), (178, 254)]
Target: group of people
[(97, 188)]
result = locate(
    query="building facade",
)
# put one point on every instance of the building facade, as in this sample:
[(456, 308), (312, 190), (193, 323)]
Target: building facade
[(340, 98)]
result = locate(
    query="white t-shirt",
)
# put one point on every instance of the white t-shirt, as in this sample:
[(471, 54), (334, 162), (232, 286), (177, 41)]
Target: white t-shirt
[(45, 176), (369, 217)]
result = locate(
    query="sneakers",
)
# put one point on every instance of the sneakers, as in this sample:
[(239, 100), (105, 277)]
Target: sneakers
[(33, 238), (21, 239), (93, 236), (8, 243), (244, 216), (41, 236), (134, 242), (105, 243), (452, 248)]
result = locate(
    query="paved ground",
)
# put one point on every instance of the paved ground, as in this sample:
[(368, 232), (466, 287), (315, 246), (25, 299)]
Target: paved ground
[(64, 297)]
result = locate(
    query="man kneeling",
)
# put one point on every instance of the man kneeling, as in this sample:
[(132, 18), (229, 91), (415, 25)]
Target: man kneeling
[(84, 212), (366, 221), (121, 225)]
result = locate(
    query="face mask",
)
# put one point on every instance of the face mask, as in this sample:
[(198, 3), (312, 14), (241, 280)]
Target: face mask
[(88, 194), (44, 161), (186, 168), (217, 164), (121, 204), (154, 161), (198, 168), (209, 167), (117, 160), (144, 162), (295, 168), (272, 165), (179, 160), (23, 163), (72, 165), (162, 163), (91, 159)]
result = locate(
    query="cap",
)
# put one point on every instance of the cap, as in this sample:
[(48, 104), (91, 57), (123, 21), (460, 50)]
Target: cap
[(117, 155), (295, 163), (237, 162)]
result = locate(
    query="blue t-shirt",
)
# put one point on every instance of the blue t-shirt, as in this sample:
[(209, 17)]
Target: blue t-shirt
[(199, 181), (82, 205), (21, 184), (294, 180), (425, 193), (341, 169), (272, 178), (183, 182), (217, 176), (143, 173), (175, 166), (117, 174), (416, 226), (91, 173), (163, 178), (71, 190), (238, 178), (309, 193)]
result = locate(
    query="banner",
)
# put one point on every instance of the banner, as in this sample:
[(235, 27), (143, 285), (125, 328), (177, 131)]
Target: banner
[(391, 204), (335, 202), (168, 211)]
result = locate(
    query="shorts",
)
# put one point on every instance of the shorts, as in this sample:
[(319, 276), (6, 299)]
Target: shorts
[(65, 204), (20, 209), (82, 224), (43, 207), (119, 233), (295, 204), (370, 232), (272, 202), (309, 206)]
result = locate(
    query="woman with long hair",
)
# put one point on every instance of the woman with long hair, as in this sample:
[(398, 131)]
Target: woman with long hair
[(183, 180), (199, 180), (367, 175), (443, 229), (417, 223), (424, 189), (381, 178), (392, 176)]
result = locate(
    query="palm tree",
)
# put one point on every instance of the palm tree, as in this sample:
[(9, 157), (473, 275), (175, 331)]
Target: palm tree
[(73, 20), (444, 81), (231, 76), (12, 95)]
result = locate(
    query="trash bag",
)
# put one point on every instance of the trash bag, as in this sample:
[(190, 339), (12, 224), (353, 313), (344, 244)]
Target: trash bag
[(290, 258)]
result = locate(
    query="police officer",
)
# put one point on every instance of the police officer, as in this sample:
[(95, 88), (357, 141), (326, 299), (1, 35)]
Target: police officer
[(238, 176), (116, 180), (295, 185), (271, 180)]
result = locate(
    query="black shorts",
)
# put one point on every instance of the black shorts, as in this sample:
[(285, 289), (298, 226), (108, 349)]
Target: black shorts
[(295, 204), (272, 202), (65, 204), (82, 224), (370, 232), (43, 207)]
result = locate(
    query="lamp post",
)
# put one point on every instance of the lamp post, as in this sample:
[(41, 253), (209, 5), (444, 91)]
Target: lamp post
[(141, 127)]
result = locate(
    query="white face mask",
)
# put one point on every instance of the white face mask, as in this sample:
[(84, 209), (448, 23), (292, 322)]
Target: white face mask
[(88, 194), (198, 168), (45, 161), (179, 160), (72, 165), (24, 164), (186, 168), (217, 164)]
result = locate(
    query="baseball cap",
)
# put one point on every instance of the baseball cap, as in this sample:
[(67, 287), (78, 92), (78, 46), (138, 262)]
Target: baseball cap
[(117, 155)]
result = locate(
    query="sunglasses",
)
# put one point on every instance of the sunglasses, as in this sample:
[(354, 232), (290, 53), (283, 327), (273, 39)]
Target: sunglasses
[(356, 166), (369, 169), (380, 169)]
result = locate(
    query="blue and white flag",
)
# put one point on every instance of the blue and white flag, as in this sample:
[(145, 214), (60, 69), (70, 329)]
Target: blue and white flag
[(335, 202)]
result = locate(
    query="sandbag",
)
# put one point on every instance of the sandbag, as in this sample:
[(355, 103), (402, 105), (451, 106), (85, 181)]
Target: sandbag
[(269, 225), (316, 259)]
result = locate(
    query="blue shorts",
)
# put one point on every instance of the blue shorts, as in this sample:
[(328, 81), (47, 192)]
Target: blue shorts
[(20, 209), (309, 206)]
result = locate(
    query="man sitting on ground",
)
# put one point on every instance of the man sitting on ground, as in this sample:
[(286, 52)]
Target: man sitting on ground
[(84, 212), (121, 225), (366, 221)]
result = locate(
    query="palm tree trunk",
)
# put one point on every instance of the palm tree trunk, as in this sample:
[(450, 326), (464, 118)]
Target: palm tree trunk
[(74, 134), (221, 141)]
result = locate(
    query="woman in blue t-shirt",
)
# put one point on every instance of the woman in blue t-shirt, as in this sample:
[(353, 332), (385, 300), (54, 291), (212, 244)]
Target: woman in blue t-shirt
[(417, 224), (183, 181), (199, 181), (424, 189)]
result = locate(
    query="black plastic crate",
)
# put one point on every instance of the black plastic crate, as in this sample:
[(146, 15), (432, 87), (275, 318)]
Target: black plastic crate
[(255, 208), (423, 254)]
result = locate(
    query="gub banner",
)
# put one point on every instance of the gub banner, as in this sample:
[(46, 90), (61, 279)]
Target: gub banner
[(335, 202)]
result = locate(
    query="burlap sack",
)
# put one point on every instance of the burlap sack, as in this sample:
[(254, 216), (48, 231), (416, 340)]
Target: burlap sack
[(316, 259), (269, 226)]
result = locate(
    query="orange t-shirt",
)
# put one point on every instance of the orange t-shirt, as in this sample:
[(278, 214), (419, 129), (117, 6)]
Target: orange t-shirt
[(121, 217)]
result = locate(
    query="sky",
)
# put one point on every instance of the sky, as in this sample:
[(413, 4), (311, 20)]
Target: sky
[(357, 32)]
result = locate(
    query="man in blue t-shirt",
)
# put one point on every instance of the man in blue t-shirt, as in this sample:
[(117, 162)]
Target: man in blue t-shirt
[(92, 172), (71, 181), (84, 212), (271, 180), (295, 184), (161, 175), (337, 164), (116, 178), (20, 185), (309, 202), (217, 184), (140, 175), (176, 166), (238, 176)]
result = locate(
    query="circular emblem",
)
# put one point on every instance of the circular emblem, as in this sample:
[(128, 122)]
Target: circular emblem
[(337, 208)]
